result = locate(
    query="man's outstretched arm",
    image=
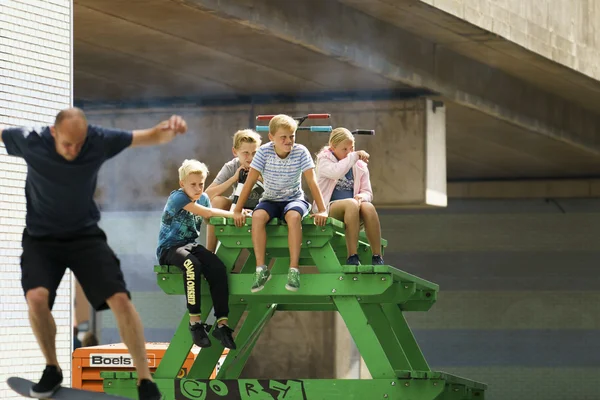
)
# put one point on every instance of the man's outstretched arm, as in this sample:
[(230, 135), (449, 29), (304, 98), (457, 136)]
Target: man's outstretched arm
[(162, 133)]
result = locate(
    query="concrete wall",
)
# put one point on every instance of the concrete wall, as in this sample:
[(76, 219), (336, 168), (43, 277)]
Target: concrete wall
[(35, 82), (567, 32), (518, 292)]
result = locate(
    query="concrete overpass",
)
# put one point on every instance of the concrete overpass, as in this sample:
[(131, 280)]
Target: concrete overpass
[(520, 82)]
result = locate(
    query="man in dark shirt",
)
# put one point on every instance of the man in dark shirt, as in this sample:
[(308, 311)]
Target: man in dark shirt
[(62, 230)]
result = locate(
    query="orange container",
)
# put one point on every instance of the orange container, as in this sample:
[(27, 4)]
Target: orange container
[(88, 362)]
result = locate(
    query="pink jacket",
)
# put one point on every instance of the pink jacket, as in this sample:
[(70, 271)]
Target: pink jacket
[(330, 170)]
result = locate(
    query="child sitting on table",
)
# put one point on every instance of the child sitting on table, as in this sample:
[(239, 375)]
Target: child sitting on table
[(343, 177)]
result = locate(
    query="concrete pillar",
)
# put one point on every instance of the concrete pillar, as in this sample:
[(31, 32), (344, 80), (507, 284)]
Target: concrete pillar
[(413, 150), (348, 362), (347, 358), (363, 370)]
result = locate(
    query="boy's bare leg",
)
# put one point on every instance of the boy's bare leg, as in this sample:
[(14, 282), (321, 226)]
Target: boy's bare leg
[(294, 223), (259, 235), (347, 210), (42, 323), (132, 332), (222, 203), (372, 226)]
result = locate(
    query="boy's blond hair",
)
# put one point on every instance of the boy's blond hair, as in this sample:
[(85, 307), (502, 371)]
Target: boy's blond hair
[(282, 121), (246, 136), (339, 135), (192, 167)]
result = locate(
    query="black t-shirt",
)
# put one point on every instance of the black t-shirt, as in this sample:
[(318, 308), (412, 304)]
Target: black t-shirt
[(60, 193)]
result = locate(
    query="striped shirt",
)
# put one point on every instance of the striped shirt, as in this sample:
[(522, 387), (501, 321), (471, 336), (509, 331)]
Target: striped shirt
[(282, 176)]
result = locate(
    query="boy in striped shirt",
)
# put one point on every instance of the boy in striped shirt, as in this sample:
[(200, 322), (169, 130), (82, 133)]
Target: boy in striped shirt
[(281, 162)]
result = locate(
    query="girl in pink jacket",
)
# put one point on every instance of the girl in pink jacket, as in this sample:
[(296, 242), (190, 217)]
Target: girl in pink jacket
[(343, 177)]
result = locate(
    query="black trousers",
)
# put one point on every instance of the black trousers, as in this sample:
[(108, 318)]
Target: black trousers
[(195, 260)]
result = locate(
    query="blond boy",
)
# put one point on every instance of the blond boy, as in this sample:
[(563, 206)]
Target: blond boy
[(245, 144), (282, 163), (180, 227)]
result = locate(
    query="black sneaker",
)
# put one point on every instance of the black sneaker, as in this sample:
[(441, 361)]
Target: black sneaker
[(353, 260), (49, 384), (147, 390), (199, 335), (223, 334), (377, 260)]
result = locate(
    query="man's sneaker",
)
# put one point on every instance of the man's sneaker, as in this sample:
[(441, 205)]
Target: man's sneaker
[(293, 283), (147, 390), (50, 383), (377, 260), (223, 334), (199, 335), (260, 278), (353, 260)]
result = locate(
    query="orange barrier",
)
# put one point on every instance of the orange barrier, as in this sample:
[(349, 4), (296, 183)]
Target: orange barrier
[(88, 362)]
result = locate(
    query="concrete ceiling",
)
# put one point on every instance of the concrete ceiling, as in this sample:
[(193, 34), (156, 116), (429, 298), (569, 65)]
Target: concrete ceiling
[(148, 50)]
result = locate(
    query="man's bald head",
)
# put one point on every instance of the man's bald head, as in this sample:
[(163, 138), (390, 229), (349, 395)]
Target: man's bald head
[(72, 113), (69, 132)]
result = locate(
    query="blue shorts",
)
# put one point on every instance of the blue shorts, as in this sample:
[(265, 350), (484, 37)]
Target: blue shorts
[(278, 209)]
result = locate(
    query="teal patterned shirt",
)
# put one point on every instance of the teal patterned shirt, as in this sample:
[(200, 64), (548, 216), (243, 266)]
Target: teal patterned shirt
[(179, 227)]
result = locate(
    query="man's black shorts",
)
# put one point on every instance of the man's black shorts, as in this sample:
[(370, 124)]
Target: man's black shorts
[(96, 267)]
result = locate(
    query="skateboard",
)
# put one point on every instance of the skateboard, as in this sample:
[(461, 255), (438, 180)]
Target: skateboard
[(22, 387)]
